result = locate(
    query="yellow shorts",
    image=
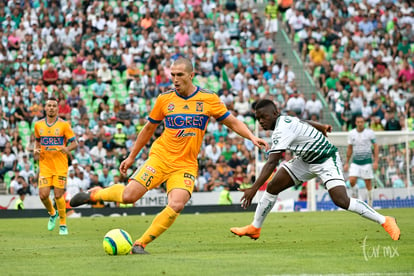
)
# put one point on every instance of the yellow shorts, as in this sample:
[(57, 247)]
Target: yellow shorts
[(57, 181), (154, 172)]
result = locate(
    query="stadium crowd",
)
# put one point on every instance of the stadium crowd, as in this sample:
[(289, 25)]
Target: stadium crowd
[(360, 54), (106, 62)]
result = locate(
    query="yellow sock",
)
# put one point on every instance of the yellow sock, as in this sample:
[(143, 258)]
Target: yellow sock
[(61, 206), (112, 193), (49, 206), (162, 222)]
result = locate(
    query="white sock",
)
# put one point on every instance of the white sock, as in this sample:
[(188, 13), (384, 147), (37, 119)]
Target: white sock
[(361, 208), (354, 191), (263, 208), (369, 197)]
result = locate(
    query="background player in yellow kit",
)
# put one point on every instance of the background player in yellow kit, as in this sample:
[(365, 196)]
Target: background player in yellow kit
[(173, 156), (54, 142)]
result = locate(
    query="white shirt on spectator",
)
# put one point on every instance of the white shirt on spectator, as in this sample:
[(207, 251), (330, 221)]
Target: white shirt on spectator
[(73, 186), (296, 104), (362, 68), (112, 25), (242, 107), (227, 99), (64, 74), (387, 82), (221, 36), (366, 111), (97, 153), (213, 154), (290, 76), (104, 74), (8, 160), (313, 107)]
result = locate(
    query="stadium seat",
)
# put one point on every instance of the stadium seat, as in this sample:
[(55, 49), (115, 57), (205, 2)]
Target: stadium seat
[(115, 73), (95, 104)]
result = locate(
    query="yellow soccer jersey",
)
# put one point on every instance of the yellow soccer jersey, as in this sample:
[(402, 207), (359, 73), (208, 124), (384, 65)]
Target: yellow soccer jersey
[(185, 120), (51, 138)]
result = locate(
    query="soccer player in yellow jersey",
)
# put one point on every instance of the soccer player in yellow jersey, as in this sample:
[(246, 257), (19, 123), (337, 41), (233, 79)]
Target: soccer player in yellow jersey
[(54, 142), (185, 111)]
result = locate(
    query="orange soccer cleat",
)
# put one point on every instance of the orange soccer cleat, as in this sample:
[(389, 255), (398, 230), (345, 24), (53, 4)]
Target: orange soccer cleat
[(390, 225), (248, 230)]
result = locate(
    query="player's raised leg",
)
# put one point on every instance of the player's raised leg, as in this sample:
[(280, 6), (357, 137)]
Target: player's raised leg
[(115, 193), (337, 191)]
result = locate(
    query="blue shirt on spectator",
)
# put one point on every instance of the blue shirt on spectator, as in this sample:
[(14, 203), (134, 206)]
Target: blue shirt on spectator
[(99, 88), (366, 27)]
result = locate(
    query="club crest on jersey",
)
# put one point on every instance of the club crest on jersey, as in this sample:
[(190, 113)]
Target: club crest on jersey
[(171, 107), (199, 107), (57, 131)]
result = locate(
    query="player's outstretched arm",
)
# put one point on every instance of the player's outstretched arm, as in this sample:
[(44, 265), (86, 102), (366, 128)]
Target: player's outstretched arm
[(321, 127), (267, 170), (143, 138), (240, 128)]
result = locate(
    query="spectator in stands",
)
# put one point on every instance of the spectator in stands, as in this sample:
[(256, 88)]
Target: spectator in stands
[(105, 73), (79, 76), (317, 57), (98, 152), (314, 108), (296, 104), (286, 76), (100, 90), (213, 151), (50, 76), (266, 44), (390, 120), (8, 162)]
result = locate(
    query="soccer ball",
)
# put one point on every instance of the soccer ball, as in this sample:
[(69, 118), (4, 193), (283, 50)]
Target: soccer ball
[(117, 242)]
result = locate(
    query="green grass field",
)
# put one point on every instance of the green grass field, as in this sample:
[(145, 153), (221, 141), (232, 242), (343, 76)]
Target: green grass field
[(291, 243)]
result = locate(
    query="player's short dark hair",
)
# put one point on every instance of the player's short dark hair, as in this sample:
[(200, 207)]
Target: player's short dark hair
[(52, 99), (265, 103), (187, 62)]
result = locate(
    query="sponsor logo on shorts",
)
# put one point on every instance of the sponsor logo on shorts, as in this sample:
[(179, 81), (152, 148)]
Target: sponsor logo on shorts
[(151, 169), (187, 175)]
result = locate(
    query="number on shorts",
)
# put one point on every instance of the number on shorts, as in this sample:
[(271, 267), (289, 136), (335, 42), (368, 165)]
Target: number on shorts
[(148, 183)]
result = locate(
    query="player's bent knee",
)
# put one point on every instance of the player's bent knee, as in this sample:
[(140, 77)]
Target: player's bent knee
[(177, 206)]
